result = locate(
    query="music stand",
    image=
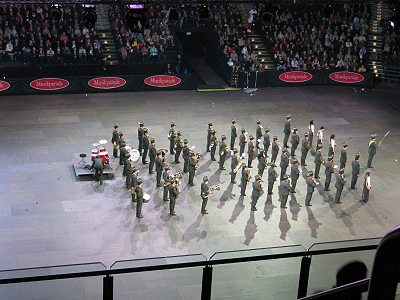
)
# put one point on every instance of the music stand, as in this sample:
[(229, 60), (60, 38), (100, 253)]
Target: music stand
[(82, 162)]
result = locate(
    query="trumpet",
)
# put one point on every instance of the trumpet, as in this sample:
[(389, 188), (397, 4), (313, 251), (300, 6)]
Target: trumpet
[(240, 164)]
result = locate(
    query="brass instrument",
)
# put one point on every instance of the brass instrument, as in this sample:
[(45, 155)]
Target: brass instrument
[(240, 164), (214, 188)]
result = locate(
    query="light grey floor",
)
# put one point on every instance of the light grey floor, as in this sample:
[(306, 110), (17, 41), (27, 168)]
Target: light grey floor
[(47, 217)]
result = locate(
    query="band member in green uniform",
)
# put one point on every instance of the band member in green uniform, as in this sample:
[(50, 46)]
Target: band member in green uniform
[(223, 151), (210, 128), (371, 150), (172, 137), (139, 198), (178, 147), (213, 144), (152, 155), (205, 193), (355, 171), (286, 130), (295, 141), (242, 141), (340, 181), (233, 133), (98, 165), (115, 140)]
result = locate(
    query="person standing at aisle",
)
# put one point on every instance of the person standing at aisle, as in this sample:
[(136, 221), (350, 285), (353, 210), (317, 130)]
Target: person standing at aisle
[(311, 184), (343, 156), (355, 171), (172, 138), (287, 130), (233, 133), (371, 150), (366, 186), (266, 140), (275, 149), (272, 176), (242, 141), (209, 130), (145, 145), (115, 140), (305, 147), (318, 161), (256, 193), (340, 181), (294, 174), (140, 136), (329, 169), (295, 141)]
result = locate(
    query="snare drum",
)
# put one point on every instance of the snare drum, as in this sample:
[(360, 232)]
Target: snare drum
[(95, 152), (146, 198), (104, 156)]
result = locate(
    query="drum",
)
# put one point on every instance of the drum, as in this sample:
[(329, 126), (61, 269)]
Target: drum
[(95, 152), (102, 149), (103, 142), (104, 156), (135, 155), (146, 198)]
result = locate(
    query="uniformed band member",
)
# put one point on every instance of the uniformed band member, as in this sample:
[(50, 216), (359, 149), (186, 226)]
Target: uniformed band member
[(257, 192), (320, 135), (152, 155), (332, 145), (311, 132), (284, 162), (139, 198), (340, 181), (318, 161), (305, 147), (129, 173), (233, 133), (209, 129), (234, 164), (192, 167), (205, 193), (98, 165), (172, 138), (145, 145), (223, 150), (371, 150), (272, 176), (127, 163), (178, 147), (275, 149), (366, 187), (258, 133), (355, 171), (251, 149), (140, 136), (167, 178), (242, 141), (173, 194), (343, 156), (329, 169), (122, 151), (185, 155), (295, 141), (213, 144), (283, 190), (115, 140), (311, 184), (286, 131), (266, 140), (294, 174), (134, 183), (159, 161), (262, 162), (245, 179)]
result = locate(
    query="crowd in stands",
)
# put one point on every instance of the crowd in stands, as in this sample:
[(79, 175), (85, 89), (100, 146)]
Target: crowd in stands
[(310, 37), (390, 42), (150, 42), (32, 34)]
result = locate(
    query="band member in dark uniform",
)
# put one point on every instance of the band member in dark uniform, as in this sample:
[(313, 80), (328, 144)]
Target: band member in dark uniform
[(192, 167), (318, 161), (213, 144), (275, 149), (329, 169), (284, 162), (205, 192), (294, 174), (234, 164), (167, 177), (98, 165), (295, 141), (371, 150), (172, 138), (251, 149), (134, 183), (245, 179), (257, 192), (152, 155), (173, 194), (283, 190), (159, 162), (286, 131), (209, 130), (305, 147), (233, 134), (122, 151), (343, 156), (223, 150), (178, 147), (115, 140), (262, 162), (139, 198), (311, 184), (355, 171), (259, 133), (242, 141), (185, 155), (140, 136), (366, 186), (127, 163), (145, 145), (129, 173), (340, 181), (266, 140), (272, 176)]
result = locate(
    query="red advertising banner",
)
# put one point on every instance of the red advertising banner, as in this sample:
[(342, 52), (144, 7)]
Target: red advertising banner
[(162, 80), (346, 77), (49, 84), (295, 76), (106, 83), (4, 85)]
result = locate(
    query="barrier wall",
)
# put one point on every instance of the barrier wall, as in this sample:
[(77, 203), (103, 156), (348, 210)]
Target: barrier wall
[(92, 84), (301, 78)]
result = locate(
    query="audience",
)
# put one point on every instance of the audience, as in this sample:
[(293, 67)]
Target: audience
[(390, 42)]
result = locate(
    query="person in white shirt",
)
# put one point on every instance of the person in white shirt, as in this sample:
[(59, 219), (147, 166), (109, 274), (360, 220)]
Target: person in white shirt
[(332, 145), (250, 19), (320, 136), (367, 186)]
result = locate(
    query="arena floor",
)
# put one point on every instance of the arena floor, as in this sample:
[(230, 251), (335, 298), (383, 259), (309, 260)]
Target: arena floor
[(48, 217)]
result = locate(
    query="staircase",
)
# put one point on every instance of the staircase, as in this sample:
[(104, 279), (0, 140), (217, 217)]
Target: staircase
[(105, 35), (257, 40), (375, 38)]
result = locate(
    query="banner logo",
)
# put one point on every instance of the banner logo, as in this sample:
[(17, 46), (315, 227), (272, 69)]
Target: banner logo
[(4, 85), (346, 77), (162, 80), (106, 83), (49, 84), (295, 76)]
